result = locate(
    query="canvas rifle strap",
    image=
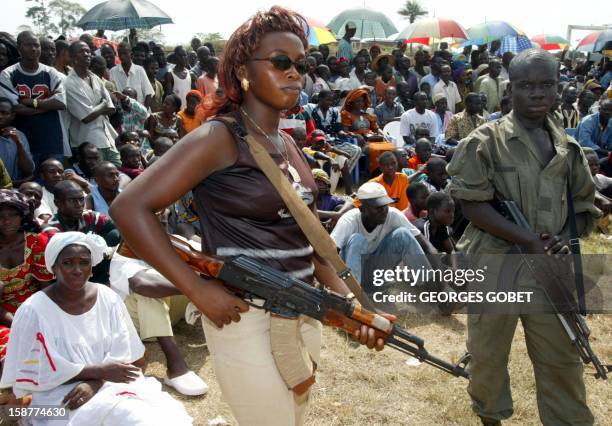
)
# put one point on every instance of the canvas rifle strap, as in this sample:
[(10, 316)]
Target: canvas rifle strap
[(574, 245), (318, 237)]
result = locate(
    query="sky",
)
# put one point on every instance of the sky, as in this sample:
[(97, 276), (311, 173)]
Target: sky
[(206, 16)]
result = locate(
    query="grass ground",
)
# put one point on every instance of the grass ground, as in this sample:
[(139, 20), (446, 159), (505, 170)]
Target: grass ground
[(356, 386)]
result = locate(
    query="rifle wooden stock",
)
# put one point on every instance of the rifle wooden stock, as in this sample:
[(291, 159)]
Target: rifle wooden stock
[(350, 325), (208, 265)]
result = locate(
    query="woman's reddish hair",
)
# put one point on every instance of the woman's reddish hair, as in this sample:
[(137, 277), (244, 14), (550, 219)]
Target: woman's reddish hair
[(244, 41)]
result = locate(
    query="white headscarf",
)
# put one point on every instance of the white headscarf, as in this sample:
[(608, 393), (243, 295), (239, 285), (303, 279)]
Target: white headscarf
[(95, 243)]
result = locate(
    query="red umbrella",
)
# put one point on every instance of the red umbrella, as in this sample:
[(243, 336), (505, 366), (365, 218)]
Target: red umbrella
[(418, 40), (596, 41), (436, 28), (550, 42)]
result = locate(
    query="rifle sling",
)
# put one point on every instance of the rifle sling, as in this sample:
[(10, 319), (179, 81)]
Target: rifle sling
[(310, 225), (574, 244)]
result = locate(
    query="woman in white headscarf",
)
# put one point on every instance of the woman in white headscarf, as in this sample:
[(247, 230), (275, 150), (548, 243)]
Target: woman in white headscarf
[(74, 345)]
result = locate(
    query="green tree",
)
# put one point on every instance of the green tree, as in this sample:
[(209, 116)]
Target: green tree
[(216, 39), (412, 10), (209, 37), (154, 34), (55, 16), (41, 17), (67, 13)]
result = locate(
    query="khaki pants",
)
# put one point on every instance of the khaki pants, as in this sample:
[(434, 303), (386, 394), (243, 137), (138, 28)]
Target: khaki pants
[(560, 389), (247, 374), (155, 317)]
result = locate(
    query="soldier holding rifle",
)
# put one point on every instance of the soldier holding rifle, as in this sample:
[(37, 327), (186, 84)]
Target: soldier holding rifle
[(527, 158)]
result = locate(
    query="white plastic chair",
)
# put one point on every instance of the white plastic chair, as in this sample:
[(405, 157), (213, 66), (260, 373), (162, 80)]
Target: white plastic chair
[(392, 134)]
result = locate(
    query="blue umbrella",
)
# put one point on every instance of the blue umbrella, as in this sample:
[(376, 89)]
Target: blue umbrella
[(115, 15), (514, 44)]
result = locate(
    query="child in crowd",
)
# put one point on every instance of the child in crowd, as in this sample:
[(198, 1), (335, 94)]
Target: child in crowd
[(14, 147), (160, 147), (337, 160), (207, 83), (330, 207), (132, 138), (437, 177), (395, 183), (422, 155), (131, 161), (193, 113), (135, 114), (425, 87), (506, 107), (436, 227), (417, 195), (299, 136), (370, 81)]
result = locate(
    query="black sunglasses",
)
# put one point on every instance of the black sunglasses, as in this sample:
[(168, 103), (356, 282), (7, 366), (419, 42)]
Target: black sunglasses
[(284, 62)]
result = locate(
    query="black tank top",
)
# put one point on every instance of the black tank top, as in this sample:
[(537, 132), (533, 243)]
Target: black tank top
[(241, 213)]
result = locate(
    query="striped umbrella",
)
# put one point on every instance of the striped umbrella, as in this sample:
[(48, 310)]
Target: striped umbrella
[(318, 33), (550, 42), (115, 15), (436, 28), (596, 41), (490, 31)]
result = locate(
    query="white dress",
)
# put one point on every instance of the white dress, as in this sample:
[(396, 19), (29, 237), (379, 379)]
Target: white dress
[(48, 347)]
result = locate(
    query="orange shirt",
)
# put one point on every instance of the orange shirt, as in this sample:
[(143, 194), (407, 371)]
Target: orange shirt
[(191, 123), (414, 163), (362, 124), (380, 87), (396, 190)]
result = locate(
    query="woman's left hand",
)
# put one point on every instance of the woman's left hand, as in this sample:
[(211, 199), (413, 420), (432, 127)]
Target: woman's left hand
[(81, 393)]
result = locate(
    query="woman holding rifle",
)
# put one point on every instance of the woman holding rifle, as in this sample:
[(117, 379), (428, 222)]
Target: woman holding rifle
[(241, 213)]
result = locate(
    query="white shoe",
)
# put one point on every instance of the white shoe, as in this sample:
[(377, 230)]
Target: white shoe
[(189, 384)]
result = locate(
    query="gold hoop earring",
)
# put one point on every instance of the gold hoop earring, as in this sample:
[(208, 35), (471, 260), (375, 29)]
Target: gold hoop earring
[(245, 84)]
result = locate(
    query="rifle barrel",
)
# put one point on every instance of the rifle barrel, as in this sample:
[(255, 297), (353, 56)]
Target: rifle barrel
[(420, 353)]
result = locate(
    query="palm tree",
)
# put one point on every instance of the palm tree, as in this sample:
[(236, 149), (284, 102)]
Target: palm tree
[(412, 10)]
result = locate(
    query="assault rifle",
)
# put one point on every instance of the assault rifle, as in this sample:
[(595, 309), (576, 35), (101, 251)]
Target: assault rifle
[(561, 299), (290, 297)]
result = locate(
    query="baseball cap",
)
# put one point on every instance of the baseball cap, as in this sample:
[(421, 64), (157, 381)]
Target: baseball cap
[(317, 136), (350, 25), (374, 194)]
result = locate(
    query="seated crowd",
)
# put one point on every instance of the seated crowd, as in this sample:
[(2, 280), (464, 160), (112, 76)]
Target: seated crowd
[(111, 111)]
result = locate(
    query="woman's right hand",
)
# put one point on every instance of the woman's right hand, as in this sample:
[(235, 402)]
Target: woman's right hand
[(118, 372), (81, 394), (218, 304)]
